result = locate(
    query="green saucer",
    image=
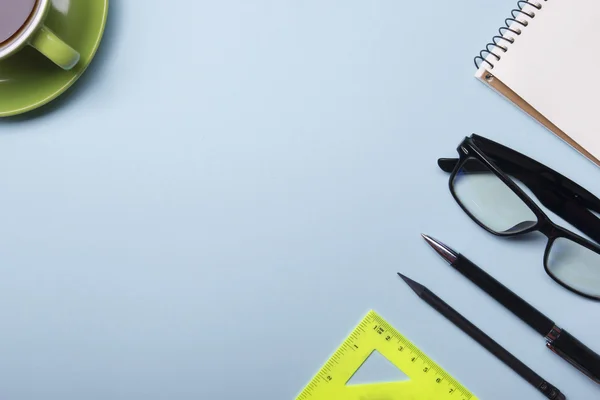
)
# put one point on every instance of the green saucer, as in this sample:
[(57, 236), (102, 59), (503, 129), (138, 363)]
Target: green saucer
[(29, 80)]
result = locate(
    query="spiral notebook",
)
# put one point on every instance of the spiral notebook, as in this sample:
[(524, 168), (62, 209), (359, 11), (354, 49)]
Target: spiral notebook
[(541, 61)]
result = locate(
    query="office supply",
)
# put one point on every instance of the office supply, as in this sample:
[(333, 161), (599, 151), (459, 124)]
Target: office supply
[(484, 340), (558, 340), (536, 61), (495, 202), (427, 379)]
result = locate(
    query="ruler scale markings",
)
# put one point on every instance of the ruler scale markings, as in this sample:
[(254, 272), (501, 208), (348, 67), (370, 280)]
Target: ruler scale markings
[(373, 333)]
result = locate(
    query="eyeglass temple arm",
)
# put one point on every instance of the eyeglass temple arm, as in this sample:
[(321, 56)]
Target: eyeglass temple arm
[(533, 179), (582, 218), (573, 212), (568, 188), (514, 162), (448, 165)]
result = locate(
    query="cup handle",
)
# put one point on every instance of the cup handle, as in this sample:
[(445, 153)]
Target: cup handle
[(50, 45)]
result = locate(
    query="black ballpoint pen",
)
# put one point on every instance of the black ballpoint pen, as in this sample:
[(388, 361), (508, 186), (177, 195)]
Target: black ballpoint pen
[(484, 340), (558, 340)]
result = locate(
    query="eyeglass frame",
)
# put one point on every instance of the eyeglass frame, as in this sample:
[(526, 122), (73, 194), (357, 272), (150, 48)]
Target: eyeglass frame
[(469, 150), (559, 194)]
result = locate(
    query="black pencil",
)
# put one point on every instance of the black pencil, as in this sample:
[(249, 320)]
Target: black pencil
[(484, 340)]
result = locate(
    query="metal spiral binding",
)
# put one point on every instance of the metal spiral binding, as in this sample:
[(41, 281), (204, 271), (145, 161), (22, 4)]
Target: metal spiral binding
[(500, 41)]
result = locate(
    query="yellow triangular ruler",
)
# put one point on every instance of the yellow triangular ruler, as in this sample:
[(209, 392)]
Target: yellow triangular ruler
[(427, 380)]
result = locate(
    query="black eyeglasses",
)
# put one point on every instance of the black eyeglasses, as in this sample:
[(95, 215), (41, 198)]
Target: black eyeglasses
[(496, 202)]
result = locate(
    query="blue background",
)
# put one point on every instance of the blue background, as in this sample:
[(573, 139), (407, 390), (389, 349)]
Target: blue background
[(234, 184)]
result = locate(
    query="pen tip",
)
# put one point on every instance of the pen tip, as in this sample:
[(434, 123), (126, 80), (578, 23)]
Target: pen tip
[(429, 239), (446, 252), (415, 286)]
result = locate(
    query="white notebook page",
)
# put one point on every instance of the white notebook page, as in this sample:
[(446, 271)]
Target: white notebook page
[(552, 65)]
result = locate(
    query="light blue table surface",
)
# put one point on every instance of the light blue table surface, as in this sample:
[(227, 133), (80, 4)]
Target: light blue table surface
[(234, 184)]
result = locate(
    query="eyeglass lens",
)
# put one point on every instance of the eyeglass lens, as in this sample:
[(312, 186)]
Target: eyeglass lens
[(575, 265), (496, 206), (489, 200)]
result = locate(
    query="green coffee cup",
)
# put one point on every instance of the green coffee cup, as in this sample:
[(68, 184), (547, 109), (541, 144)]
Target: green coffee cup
[(23, 25)]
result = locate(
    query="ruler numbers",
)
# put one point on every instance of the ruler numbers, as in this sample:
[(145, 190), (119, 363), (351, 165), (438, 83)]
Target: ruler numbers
[(374, 333), (427, 366)]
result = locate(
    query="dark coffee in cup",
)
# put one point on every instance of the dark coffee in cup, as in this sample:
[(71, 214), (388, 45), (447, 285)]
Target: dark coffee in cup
[(13, 15)]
